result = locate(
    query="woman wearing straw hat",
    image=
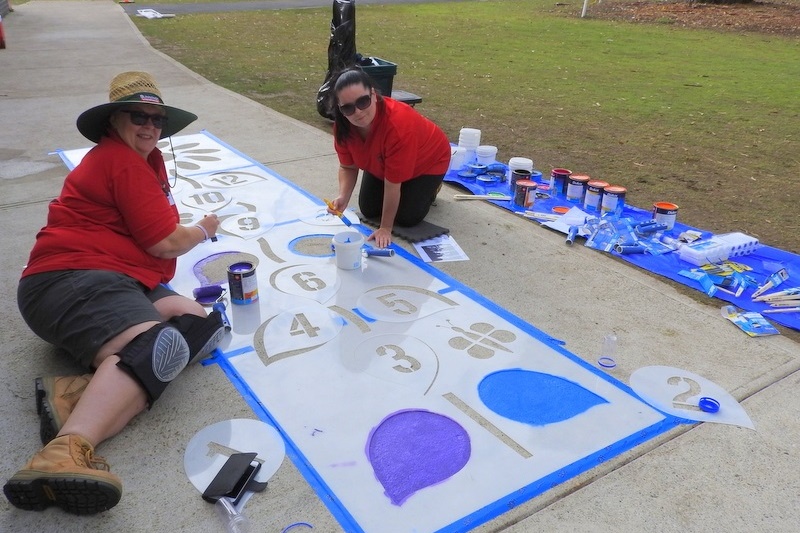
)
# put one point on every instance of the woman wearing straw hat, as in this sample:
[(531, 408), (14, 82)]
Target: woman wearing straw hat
[(404, 155), (93, 287)]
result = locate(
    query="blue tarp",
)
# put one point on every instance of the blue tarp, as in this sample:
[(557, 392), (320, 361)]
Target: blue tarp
[(765, 261)]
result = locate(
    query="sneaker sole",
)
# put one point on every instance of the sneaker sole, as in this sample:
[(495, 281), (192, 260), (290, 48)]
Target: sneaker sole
[(73, 494), (48, 426)]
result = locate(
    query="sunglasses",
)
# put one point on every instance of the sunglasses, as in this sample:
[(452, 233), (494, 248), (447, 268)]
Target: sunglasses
[(140, 118), (362, 102)]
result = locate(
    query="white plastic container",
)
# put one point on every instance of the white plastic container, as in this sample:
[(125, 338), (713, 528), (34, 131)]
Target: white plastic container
[(347, 248), (458, 157), (518, 163), (469, 138), (485, 154)]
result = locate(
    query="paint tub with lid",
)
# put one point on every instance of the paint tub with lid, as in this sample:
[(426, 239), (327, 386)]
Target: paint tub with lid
[(576, 188), (558, 182), (485, 154), (665, 213), (525, 193), (470, 139), (594, 193), (458, 157), (242, 283), (516, 163), (613, 200)]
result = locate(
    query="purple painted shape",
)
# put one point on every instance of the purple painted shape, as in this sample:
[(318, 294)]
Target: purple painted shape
[(413, 449)]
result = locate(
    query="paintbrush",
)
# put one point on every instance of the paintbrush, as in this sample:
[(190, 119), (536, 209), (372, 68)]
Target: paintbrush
[(773, 281), (337, 212), (782, 310), (787, 294)]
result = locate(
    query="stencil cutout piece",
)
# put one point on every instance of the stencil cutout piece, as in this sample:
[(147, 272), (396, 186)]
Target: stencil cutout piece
[(398, 303), (233, 178), (396, 358), (535, 398), (414, 449), (677, 392), (248, 225), (211, 447), (315, 282), (297, 331), (207, 200)]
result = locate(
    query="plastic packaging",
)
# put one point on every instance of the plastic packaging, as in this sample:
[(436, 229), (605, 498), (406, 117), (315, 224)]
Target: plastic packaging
[(740, 244), (707, 251), (607, 351), (233, 520)]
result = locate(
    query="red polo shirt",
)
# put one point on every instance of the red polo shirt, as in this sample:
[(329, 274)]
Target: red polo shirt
[(112, 208), (401, 145)]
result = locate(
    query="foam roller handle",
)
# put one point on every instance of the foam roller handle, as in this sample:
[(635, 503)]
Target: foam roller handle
[(379, 252), (219, 306)]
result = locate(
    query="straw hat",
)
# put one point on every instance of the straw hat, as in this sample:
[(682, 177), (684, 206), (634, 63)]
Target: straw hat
[(126, 89)]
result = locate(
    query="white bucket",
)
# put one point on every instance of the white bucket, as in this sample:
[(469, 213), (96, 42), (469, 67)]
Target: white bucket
[(469, 138), (458, 157), (485, 154), (518, 163), (347, 248)]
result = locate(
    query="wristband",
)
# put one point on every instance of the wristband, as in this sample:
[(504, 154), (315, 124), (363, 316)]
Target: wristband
[(205, 233)]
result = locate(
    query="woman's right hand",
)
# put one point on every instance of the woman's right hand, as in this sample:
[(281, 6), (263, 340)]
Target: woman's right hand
[(339, 204), (210, 223)]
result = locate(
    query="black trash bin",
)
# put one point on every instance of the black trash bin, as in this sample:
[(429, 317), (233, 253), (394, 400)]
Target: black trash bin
[(382, 73)]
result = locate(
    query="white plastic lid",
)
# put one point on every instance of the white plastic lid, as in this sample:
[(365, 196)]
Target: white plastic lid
[(520, 163)]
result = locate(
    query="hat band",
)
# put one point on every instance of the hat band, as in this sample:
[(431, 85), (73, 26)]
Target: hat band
[(145, 98)]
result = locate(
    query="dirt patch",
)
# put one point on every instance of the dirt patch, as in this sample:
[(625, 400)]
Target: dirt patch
[(772, 18)]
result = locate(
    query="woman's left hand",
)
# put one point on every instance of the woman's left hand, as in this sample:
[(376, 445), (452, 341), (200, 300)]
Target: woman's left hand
[(382, 237)]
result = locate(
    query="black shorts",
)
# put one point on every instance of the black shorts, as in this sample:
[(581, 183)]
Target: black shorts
[(81, 310)]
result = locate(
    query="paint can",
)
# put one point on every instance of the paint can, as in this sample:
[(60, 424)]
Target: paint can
[(613, 200), (519, 174), (576, 188), (558, 182), (525, 193), (543, 191), (242, 283), (594, 193), (665, 213)]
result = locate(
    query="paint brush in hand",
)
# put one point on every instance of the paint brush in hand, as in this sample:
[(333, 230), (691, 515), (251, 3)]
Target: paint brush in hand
[(337, 212)]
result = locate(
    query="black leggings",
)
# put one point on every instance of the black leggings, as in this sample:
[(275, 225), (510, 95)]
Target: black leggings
[(416, 197)]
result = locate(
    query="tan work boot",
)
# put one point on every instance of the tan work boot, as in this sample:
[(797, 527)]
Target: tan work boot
[(55, 399), (65, 473)]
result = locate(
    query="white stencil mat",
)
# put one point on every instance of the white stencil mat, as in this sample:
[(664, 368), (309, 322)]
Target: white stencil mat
[(464, 390)]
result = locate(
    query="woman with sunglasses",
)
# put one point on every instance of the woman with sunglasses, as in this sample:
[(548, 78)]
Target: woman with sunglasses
[(93, 287), (404, 155)]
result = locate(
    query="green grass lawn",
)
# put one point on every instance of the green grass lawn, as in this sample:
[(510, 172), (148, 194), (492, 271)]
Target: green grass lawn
[(707, 120)]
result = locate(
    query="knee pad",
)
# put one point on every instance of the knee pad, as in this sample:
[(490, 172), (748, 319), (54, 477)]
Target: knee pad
[(202, 334), (154, 358)]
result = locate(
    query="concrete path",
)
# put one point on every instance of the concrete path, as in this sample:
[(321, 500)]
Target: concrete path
[(698, 478)]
